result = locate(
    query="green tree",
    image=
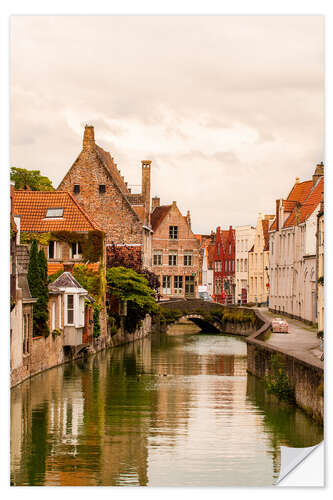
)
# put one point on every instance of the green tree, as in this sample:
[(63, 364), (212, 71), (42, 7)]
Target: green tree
[(38, 289), (25, 179), (127, 285)]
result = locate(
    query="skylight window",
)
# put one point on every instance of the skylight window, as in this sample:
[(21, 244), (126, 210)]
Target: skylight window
[(55, 212)]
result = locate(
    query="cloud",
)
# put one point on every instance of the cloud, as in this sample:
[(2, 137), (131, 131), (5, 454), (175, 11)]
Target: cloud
[(229, 106)]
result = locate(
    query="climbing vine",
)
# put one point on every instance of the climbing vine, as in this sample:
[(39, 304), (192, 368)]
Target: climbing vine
[(277, 381), (92, 242)]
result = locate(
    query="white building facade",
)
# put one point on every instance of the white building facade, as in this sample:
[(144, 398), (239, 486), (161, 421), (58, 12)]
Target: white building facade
[(292, 251), (244, 236)]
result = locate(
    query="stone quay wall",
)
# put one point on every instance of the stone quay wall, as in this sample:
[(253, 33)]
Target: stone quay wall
[(304, 378), (49, 352)]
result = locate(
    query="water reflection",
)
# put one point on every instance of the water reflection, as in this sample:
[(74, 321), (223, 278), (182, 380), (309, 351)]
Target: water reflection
[(177, 410)]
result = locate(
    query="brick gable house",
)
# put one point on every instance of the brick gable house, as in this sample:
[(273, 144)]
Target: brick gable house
[(224, 266), (57, 213), (175, 251), (96, 183)]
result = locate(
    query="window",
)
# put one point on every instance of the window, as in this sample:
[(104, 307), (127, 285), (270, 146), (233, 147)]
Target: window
[(245, 264), (173, 232), (218, 266), (233, 266), (188, 258), (225, 266), (76, 188), (229, 248), (70, 309), (218, 289), (76, 250), (166, 285), (55, 212), (238, 265), (51, 249), (25, 333), (172, 258), (218, 249), (102, 188), (158, 256), (178, 284)]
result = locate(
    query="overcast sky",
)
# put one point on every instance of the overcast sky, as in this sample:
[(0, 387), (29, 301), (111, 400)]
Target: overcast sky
[(228, 108)]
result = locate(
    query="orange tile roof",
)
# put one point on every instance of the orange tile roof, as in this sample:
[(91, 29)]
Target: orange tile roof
[(308, 206), (32, 206), (158, 215), (53, 267), (300, 191)]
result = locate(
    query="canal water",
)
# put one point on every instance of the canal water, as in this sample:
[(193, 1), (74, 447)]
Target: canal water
[(164, 411)]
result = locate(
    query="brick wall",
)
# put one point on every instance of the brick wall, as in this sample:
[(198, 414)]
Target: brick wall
[(186, 242), (110, 210)]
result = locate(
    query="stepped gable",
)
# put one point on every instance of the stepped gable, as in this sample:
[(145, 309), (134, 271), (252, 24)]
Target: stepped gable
[(32, 207), (158, 215), (111, 167)]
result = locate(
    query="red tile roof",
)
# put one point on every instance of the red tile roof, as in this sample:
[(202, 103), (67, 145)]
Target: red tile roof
[(158, 215), (53, 267), (299, 215), (32, 207), (298, 194)]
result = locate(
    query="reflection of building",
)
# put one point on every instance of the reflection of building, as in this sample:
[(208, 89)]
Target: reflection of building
[(293, 249), (175, 251), (259, 262), (244, 236)]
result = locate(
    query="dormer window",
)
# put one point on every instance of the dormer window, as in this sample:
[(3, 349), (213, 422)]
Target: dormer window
[(76, 188), (54, 213), (102, 188)]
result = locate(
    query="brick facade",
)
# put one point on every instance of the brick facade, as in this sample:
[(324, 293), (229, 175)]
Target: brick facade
[(97, 185), (175, 252), (224, 266)]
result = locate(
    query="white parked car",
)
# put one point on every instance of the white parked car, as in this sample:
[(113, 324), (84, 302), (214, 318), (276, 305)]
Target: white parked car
[(279, 325)]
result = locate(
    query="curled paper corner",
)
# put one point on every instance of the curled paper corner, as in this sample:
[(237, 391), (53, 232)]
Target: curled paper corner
[(292, 457)]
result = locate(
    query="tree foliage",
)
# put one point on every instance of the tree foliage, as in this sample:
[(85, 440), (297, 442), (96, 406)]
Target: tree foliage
[(37, 280), (30, 179), (128, 285)]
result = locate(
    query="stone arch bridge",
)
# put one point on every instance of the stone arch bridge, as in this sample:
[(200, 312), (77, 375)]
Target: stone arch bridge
[(212, 317)]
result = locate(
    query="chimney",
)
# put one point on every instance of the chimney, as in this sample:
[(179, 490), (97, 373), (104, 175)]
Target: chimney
[(155, 202), (68, 267), (88, 137), (319, 172), (174, 203), (297, 180), (146, 167), (188, 218)]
